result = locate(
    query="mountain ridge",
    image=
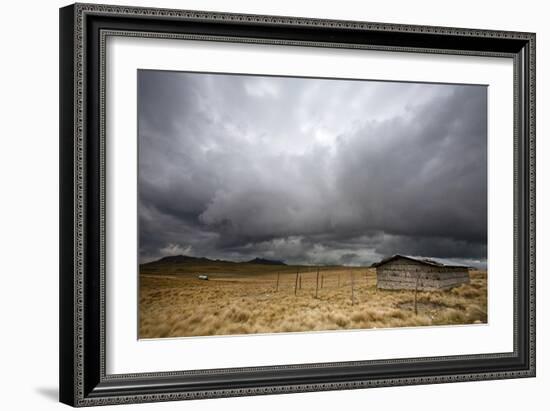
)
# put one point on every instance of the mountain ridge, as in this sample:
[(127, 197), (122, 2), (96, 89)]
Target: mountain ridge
[(185, 259), (265, 261)]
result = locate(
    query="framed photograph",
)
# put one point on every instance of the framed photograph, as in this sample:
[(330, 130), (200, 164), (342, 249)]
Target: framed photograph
[(262, 204)]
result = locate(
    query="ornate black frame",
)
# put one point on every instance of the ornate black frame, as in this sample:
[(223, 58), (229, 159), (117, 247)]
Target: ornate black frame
[(83, 30)]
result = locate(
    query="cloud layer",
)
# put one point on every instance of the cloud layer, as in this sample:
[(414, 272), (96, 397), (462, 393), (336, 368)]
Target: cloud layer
[(310, 171)]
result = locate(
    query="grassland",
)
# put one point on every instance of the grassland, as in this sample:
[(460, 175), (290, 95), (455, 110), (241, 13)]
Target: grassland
[(245, 299)]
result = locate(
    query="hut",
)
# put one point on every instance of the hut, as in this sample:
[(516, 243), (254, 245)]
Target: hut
[(400, 272)]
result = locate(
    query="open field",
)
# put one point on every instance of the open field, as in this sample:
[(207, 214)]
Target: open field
[(245, 299)]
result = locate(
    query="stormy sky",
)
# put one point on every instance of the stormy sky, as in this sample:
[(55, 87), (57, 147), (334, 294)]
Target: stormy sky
[(310, 171)]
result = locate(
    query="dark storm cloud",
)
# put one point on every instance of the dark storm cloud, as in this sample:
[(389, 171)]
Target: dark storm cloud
[(310, 171)]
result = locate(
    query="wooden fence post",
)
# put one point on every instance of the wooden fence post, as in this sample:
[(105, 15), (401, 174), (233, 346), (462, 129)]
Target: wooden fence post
[(277, 286), (338, 280), (296, 283), (352, 289), (416, 295), (317, 284)]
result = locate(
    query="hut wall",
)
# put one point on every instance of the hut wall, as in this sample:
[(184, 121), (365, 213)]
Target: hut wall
[(401, 274)]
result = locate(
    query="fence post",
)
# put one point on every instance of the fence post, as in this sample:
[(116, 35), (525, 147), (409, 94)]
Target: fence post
[(352, 288), (317, 284), (416, 295), (277, 286), (296, 283)]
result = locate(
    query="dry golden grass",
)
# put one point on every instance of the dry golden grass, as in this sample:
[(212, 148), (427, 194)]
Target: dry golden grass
[(180, 305)]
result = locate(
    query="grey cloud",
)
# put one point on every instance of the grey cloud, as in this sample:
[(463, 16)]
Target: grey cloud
[(310, 171)]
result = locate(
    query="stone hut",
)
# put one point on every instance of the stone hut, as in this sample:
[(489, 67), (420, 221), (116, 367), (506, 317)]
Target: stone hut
[(401, 272)]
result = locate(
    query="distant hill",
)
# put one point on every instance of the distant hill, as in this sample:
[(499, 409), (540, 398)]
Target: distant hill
[(185, 259), (180, 259), (183, 264), (180, 264), (265, 261)]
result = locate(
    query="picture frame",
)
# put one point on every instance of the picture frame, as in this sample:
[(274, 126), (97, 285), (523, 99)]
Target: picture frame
[(84, 83)]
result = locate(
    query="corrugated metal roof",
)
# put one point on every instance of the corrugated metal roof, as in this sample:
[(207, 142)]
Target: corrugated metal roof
[(426, 261)]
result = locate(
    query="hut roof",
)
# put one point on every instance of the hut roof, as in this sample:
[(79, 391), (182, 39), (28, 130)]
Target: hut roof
[(425, 261)]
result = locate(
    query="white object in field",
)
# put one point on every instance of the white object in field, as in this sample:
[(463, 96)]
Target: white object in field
[(203, 277)]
